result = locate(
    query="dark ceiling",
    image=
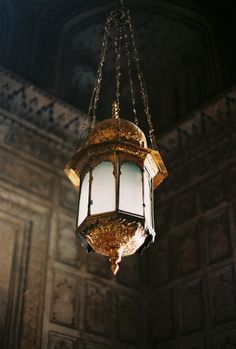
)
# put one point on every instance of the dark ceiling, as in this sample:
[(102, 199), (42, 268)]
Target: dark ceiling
[(187, 50)]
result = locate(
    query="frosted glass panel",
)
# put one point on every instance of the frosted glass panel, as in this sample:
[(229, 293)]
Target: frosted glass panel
[(103, 188), (147, 198), (83, 202), (131, 198)]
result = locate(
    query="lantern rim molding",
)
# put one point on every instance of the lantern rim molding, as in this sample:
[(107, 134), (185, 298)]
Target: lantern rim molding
[(102, 146)]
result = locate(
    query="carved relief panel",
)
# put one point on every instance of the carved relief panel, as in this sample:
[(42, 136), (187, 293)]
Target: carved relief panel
[(69, 250), (226, 340), (191, 305), (127, 318), (98, 307), (223, 296), (200, 228), (24, 242), (160, 322), (64, 300), (185, 250), (59, 341), (14, 238)]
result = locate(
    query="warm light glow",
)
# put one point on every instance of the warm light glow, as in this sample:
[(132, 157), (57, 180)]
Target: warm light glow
[(103, 188), (131, 199), (148, 198), (83, 201)]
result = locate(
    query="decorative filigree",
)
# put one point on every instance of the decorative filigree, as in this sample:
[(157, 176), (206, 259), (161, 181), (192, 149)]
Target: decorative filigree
[(115, 238), (113, 129)]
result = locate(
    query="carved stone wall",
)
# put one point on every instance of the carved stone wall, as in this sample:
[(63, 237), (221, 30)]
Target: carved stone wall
[(191, 282), (52, 295)]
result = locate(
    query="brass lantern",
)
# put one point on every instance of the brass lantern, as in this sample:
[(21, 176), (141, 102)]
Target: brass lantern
[(115, 173)]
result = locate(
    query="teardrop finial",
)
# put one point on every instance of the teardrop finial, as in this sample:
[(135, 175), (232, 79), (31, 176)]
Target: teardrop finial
[(115, 113), (114, 259)]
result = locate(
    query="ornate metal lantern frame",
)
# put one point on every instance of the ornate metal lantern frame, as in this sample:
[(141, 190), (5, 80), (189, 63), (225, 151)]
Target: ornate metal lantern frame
[(119, 229)]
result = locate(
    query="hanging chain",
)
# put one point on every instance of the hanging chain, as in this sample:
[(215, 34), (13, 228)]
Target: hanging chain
[(142, 84), (123, 32), (127, 52), (97, 87), (118, 39)]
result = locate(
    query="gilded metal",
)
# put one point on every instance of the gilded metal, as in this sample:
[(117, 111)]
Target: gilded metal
[(115, 111), (113, 234), (115, 238), (108, 130)]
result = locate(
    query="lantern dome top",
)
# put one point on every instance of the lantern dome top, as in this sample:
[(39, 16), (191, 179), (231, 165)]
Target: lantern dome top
[(117, 129)]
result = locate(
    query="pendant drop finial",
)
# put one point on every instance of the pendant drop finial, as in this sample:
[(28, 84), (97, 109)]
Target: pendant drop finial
[(115, 258)]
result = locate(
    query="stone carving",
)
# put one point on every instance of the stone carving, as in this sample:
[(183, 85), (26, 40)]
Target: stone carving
[(63, 308), (16, 171), (19, 206), (97, 318), (159, 262), (129, 274), (58, 341), (33, 105), (225, 340), (185, 208), (185, 251), (163, 211), (216, 229), (127, 318), (160, 316), (223, 295), (196, 148), (198, 165), (68, 196), (12, 260), (191, 306), (94, 346), (3, 312), (34, 142), (124, 346), (98, 265), (218, 121), (69, 250), (212, 193), (201, 344), (232, 188)]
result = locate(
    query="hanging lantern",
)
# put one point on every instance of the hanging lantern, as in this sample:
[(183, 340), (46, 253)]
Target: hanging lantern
[(115, 172)]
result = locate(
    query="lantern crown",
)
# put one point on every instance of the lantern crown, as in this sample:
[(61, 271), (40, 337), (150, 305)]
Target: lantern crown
[(117, 130)]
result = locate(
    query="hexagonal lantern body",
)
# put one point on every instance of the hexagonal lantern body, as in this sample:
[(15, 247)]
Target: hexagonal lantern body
[(115, 174)]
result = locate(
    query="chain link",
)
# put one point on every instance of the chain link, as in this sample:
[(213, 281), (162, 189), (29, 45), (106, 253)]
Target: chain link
[(98, 81), (142, 84), (127, 52), (118, 39)]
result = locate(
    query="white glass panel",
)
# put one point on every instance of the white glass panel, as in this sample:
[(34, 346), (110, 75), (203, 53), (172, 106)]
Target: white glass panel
[(131, 198), (103, 188), (83, 202), (148, 198)]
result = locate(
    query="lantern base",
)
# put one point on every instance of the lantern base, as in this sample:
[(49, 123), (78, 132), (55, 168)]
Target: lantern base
[(115, 235)]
